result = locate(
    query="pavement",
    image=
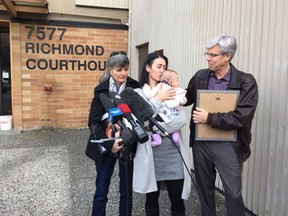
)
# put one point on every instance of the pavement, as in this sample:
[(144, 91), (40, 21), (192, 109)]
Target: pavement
[(45, 172)]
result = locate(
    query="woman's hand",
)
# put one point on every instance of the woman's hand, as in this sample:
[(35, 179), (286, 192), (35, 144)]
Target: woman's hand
[(116, 146), (165, 94)]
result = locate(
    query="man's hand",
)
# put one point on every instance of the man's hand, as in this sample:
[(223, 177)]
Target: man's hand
[(200, 116)]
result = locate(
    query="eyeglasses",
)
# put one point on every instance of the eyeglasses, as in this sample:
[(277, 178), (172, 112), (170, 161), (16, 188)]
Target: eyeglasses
[(214, 54), (117, 53)]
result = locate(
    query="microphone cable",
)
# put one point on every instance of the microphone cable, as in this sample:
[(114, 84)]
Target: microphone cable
[(182, 158), (194, 183)]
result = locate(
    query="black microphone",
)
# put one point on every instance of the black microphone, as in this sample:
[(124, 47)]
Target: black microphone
[(140, 108), (137, 129), (115, 115)]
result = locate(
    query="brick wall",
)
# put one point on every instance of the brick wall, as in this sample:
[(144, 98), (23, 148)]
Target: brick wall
[(70, 59)]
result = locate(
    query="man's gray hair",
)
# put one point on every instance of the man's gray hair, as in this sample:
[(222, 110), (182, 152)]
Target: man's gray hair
[(227, 44)]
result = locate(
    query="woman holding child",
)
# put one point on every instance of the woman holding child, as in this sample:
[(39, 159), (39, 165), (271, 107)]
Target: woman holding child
[(154, 166)]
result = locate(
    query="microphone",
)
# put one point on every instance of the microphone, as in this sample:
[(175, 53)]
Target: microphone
[(138, 130), (105, 140), (141, 109), (114, 113)]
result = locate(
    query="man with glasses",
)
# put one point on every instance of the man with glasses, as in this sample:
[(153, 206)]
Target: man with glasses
[(226, 157)]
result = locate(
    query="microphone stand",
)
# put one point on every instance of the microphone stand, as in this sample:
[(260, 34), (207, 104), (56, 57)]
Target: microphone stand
[(128, 163), (128, 140)]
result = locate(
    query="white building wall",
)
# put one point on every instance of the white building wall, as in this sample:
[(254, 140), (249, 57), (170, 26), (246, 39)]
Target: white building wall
[(182, 28)]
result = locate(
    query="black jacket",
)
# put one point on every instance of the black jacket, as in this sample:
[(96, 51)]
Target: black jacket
[(96, 112), (239, 119)]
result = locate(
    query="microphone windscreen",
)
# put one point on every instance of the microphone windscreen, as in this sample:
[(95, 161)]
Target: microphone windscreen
[(139, 107), (106, 102)]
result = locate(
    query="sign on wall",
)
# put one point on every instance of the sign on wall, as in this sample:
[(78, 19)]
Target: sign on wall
[(59, 69), (51, 43)]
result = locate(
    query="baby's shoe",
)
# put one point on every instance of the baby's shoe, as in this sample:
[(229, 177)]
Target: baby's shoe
[(176, 138), (157, 140)]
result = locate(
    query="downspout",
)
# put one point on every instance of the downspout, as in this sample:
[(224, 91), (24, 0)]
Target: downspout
[(129, 30)]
